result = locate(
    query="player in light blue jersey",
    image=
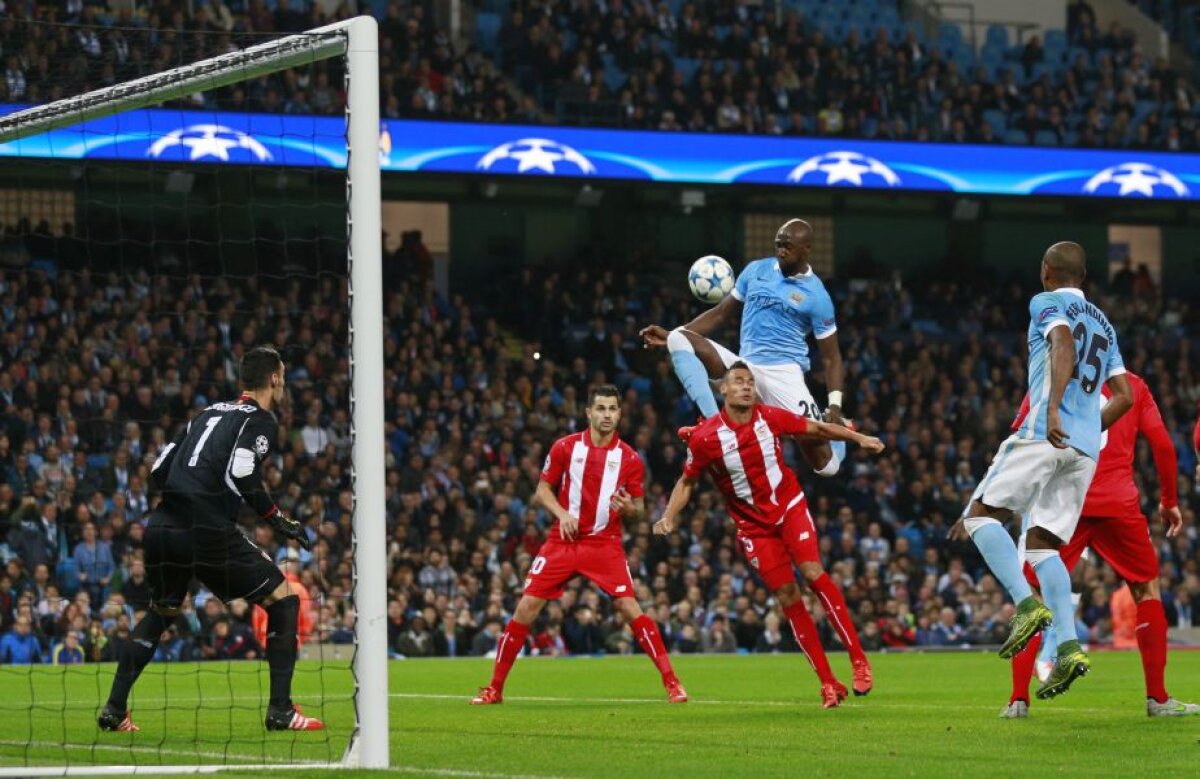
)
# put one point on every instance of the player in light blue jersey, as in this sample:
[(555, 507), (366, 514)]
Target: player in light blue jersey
[(779, 303), (1043, 470)]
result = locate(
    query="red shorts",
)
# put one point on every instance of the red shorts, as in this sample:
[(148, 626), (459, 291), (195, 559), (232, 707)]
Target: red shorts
[(1123, 542), (772, 551), (601, 560)]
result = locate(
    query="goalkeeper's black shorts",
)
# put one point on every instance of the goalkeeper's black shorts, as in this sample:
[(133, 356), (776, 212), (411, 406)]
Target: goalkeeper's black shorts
[(223, 559)]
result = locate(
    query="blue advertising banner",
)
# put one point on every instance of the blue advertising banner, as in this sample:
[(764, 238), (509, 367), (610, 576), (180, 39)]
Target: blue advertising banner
[(519, 150)]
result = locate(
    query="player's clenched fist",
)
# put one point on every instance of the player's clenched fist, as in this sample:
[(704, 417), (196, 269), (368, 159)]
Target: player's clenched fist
[(287, 526), (664, 526)]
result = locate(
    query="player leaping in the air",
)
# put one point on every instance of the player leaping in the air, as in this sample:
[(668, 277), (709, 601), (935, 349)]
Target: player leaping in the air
[(205, 474), (740, 449), (779, 301), (590, 483), (1113, 525), (1042, 471)]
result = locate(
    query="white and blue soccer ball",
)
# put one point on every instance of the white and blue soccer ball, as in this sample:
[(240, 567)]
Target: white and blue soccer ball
[(711, 279)]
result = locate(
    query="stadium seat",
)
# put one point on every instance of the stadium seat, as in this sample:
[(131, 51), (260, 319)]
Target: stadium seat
[(1055, 39), (997, 120), (1045, 138), (950, 35), (487, 30), (1016, 138), (997, 35), (687, 67)]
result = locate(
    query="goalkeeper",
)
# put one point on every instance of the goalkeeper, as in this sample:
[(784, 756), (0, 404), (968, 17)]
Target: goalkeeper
[(205, 474)]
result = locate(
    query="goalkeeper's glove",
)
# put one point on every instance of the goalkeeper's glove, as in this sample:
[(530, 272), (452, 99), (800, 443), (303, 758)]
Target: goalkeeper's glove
[(287, 526)]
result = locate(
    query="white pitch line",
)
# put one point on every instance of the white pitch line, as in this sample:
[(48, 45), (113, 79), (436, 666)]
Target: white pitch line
[(153, 751)]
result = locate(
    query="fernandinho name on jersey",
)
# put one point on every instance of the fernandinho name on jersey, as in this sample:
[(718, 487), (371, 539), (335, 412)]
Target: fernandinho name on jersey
[(1076, 308)]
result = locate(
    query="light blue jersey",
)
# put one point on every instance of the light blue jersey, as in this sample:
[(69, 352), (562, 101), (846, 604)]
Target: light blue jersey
[(780, 312), (1097, 358)]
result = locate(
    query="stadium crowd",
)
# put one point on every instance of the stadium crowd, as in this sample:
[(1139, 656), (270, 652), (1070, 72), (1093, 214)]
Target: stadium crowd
[(726, 66), (97, 371)]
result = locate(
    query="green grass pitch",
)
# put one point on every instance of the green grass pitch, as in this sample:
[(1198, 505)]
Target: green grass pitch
[(930, 715)]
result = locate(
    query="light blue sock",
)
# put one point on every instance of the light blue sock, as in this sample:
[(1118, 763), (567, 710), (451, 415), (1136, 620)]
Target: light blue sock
[(1056, 591), (1000, 553), (1049, 649), (694, 378)]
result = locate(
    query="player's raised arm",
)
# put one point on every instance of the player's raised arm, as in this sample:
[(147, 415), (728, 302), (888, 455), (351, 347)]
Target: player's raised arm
[(726, 313), (785, 422), (681, 496)]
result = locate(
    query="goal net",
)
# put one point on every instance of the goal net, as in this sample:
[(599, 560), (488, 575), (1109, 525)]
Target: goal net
[(151, 232)]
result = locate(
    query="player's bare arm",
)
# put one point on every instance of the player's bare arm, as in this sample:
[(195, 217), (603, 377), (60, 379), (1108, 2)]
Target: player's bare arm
[(1062, 368), (1120, 402), (628, 507), (681, 495), (726, 313), (831, 359), (568, 525), (829, 431)]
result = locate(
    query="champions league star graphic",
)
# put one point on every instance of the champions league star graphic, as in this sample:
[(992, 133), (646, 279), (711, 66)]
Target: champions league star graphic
[(845, 168), (209, 141), (1136, 178), (536, 155)]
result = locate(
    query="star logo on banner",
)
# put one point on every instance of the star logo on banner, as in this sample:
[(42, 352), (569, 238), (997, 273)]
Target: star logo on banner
[(537, 155), (209, 140), (1136, 178), (848, 168)]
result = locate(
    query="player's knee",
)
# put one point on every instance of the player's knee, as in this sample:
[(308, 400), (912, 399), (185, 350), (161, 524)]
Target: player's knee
[(788, 594), (629, 608), (974, 524), (528, 609), (678, 341), (1040, 538), (1144, 591), (811, 571)]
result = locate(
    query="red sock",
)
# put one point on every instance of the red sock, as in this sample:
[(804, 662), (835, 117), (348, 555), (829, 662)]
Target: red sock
[(1022, 669), (835, 608), (507, 649), (1152, 643), (650, 640), (806, 635)]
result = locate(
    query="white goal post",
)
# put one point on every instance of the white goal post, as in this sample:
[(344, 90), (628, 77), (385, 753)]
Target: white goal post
[(357, 41)]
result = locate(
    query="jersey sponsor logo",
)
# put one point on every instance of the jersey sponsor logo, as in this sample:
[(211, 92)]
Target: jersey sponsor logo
[(262, 445), (620, 589), (804, 536), (611, 464), (797, 297)]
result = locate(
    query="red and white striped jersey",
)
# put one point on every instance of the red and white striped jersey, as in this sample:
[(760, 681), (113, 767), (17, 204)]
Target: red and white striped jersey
[(746, 462), (586, 477)]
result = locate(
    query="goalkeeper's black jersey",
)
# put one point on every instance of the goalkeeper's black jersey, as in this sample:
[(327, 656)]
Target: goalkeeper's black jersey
[(216, 463)]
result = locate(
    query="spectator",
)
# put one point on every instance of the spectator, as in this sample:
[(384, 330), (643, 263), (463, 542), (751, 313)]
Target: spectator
[(20, 647), (93, 563)]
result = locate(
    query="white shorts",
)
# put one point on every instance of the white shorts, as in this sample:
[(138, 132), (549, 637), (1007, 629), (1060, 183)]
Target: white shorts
[(780, 385), (1043, 484)]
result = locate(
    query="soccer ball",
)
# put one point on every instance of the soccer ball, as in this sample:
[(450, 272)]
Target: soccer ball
[(711, 279)]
